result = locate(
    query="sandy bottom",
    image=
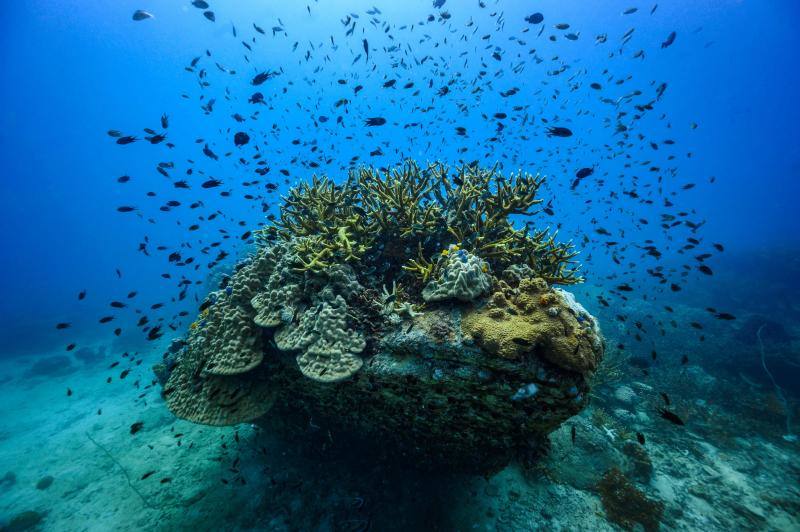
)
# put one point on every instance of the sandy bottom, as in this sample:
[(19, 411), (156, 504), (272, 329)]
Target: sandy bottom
[(239, 478)]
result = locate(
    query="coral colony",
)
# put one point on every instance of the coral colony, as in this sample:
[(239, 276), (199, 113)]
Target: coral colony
[(404, 306)]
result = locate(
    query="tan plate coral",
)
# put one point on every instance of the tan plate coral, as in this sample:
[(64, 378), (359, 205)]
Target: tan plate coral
[(404, 305)]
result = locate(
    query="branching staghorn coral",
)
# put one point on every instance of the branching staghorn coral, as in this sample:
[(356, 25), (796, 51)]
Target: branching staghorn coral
[(399, 223)]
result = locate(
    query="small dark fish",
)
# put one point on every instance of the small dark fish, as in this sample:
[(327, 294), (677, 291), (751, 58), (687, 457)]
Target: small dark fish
[(375, 121), (724, 316), (126, 208), (584, 172), (106, 319), (536, 18), (684, 361), (640, 438), (148, 474), (260, 78), (136, 427), (670, 39), (705, 269), (123, 179), (210, 15), (665, 397), (69, 392), (200, 4), (63, 325), (164, 121), (573, 434), (208, 152), (211, 183), (126, 140), (241, 138), (670, 416), (154, 333), (555, 131), (140, 14), (165, 480)]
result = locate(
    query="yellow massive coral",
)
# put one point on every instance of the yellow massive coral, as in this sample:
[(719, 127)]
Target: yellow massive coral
[(533, 318)]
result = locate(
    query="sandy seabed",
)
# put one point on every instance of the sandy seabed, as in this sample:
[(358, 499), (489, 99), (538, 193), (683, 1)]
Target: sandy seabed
[(240, 478)]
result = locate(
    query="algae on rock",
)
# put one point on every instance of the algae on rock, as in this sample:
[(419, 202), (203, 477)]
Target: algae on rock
[(626, 505)]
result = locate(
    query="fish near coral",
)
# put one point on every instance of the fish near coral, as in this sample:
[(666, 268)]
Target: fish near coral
[(301, 327)]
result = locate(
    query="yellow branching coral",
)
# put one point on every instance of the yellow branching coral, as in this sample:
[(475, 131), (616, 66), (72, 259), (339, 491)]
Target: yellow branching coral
[(398, 222)]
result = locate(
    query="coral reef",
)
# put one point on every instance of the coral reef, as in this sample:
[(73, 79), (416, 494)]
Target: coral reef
[(373, 308)]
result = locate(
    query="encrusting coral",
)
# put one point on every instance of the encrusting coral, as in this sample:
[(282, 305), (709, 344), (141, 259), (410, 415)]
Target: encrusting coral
[(403, 305), (517, 319), (328, 346)]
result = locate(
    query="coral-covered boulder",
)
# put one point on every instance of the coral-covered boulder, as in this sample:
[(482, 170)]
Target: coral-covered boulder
[(468, 361)]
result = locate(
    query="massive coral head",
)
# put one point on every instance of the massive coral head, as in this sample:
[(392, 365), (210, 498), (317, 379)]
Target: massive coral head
[(402, 306)]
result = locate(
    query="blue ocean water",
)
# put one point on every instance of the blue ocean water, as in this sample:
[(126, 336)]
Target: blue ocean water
[(693, 146)]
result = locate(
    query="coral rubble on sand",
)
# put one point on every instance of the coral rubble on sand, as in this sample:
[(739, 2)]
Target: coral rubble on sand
[(415, 311)]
